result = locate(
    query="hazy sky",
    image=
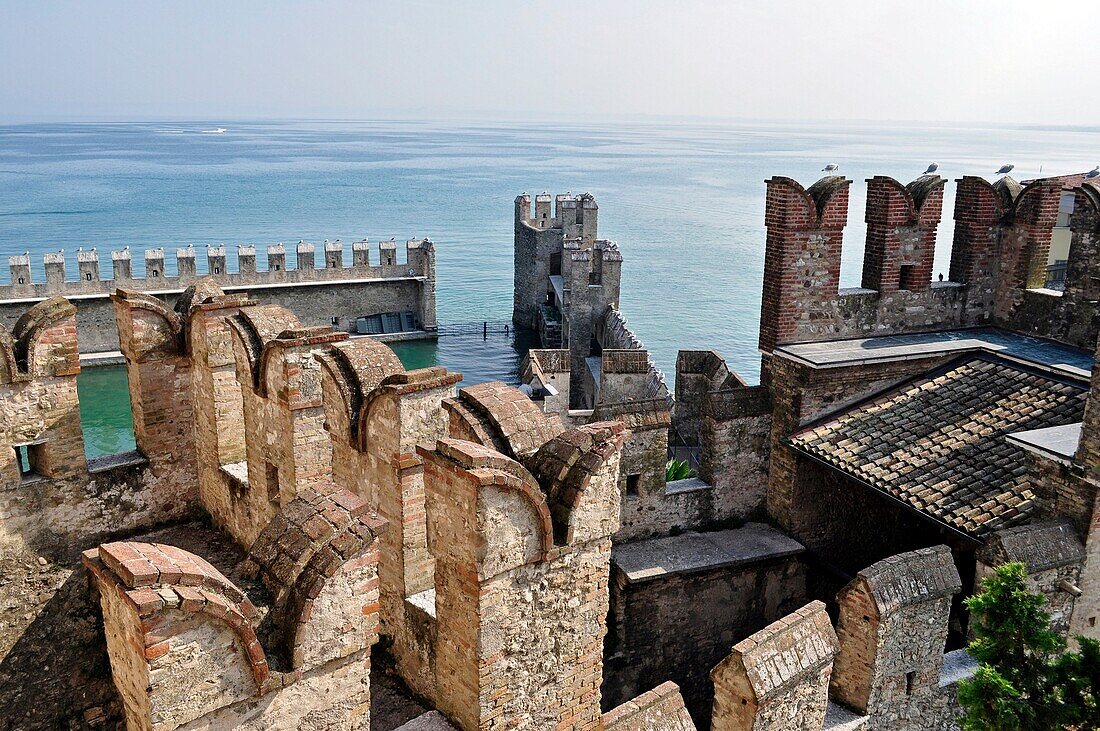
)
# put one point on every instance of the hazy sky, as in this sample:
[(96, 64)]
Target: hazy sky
[(826, 59)]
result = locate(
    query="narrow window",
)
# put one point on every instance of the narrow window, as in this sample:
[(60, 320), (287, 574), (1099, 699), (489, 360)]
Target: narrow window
[(217, 270), (21, 280), (22, 459), (632, 482), (88, 276), (272, 479), (905, 277), (25, 457), (909, 678), (277, 267), (155, 274), (336, 321)]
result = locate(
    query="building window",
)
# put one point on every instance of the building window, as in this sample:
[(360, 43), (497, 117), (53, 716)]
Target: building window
[(1065, 210), (336, 321), (26, 456), (632, 482), (271, 474), (909, 678), (88, 276), (906, 273), (155, 274), (277, 267), (217, 270), (21, 281)]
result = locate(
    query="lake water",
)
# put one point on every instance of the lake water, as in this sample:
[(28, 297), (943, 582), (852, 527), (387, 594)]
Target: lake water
[(684, 200)]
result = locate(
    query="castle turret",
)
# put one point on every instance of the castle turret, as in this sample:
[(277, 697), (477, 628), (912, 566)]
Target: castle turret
[(777, 675), (1002, 240), (375, 414), (543, 213), (588, 216), (802, 257), (420, 255), (39, 363), (280, 382), (387, 253), (523, 208), (20, 268), (901, 233), (495, 530), (246, 259), (158, 369), (892, 630)]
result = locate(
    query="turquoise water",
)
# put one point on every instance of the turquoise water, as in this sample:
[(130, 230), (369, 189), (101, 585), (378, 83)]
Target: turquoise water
[(684, 200)]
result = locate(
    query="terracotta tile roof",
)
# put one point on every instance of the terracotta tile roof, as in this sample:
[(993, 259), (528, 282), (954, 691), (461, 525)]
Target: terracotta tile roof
[(937, 442)]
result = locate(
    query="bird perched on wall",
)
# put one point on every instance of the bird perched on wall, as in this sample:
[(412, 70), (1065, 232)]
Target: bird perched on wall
[(1005, 169), (1094, 173), (830, 168), (932, 168)]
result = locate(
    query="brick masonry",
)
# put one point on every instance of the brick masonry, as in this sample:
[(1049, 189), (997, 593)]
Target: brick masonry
[(349, 499)]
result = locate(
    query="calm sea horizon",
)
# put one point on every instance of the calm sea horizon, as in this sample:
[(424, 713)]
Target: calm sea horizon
[(684, 200)]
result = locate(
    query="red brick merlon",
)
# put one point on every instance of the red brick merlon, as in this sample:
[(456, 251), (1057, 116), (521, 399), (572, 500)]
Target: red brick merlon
[(156, 578), (204, 291), (802, 255), (266, 328), (306, 544), (489, 468), (566, 465), (896, 212), (148, 328), (42, 343), (516, 425), (357, 368)]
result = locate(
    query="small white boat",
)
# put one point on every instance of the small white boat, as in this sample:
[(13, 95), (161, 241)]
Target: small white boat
[(220, 131)]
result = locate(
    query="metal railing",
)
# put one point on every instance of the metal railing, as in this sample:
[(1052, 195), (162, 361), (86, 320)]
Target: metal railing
[(485, 328)]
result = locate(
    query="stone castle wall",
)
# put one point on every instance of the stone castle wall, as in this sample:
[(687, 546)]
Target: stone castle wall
[(317, 294), (305, 449)]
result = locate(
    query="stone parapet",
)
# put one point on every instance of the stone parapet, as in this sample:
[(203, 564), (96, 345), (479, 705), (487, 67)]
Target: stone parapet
[(661, 708), (778, 678), (495, 530), (419, 262), (884, 668)]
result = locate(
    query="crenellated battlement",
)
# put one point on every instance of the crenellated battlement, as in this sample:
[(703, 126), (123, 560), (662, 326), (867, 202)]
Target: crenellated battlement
[(1001, 244), (574, 215), (87, 279), (354, 287)]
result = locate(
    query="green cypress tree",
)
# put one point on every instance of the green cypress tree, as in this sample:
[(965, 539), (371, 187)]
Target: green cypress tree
[(1079, 677), (1017, 687)]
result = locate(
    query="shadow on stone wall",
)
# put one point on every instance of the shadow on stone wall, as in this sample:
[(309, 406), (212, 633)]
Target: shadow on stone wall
[(56, 674)]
